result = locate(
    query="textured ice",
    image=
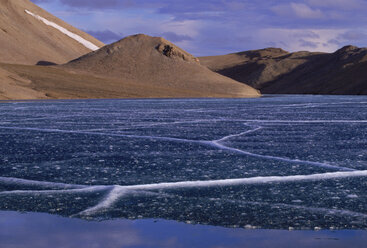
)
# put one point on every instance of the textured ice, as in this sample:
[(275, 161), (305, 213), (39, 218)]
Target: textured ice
[(274, 162)]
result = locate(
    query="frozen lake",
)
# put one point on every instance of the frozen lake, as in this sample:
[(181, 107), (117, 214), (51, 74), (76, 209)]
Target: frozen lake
[(284, 162)]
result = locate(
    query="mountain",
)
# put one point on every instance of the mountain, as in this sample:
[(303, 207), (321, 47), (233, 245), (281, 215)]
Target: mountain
[(275, 71), (30, 35), (138, 66), (154, 61), (36, 48)]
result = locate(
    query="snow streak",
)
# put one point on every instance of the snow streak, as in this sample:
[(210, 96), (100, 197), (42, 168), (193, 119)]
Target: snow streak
[(72, 35)]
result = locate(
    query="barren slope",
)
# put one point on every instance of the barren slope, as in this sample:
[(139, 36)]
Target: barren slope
[(217, 63), (45, 82), (153, 61), (29, 34), (136, 67), (342, 72), (13, 86)]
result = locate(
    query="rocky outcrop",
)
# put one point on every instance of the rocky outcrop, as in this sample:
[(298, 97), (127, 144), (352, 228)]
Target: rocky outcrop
[(172, 51)]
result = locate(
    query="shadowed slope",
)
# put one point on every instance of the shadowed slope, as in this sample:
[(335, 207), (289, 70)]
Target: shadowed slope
[(342, 72)]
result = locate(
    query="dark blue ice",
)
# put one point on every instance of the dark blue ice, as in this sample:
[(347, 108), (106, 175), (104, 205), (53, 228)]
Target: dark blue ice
[(283, 162)]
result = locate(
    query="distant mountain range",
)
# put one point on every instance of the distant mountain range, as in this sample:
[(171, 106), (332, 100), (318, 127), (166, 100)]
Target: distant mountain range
[(275, 71), (42, 57)]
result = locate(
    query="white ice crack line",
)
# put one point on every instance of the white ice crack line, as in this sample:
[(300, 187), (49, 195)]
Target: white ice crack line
[(118, 191), (216, 144)]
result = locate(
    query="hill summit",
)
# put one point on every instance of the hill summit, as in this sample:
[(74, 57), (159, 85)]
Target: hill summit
[(155, 61)]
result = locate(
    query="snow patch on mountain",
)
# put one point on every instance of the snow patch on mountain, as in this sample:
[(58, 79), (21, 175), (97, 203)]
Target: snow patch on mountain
[(72, 35)]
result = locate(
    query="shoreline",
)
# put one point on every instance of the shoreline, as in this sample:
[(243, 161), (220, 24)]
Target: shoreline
[(174, 98)]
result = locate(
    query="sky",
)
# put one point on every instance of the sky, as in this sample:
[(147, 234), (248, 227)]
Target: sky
[(214, 27)]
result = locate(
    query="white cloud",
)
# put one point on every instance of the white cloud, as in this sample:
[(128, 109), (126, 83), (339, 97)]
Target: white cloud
[(302, 39), (129, 22), (303, 11), (353, 35), (338, 4), (299, 10)]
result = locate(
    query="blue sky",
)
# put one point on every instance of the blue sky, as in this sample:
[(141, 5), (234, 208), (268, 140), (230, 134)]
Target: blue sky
[(211, 27)]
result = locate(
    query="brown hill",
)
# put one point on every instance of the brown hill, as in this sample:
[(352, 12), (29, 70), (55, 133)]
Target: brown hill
[(29, 34), (136, 67), (44, 82), (139, 66), (155, 62), (274, 71)]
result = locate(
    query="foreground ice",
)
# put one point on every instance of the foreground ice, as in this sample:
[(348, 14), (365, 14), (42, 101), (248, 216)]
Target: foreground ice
[(276, 162)]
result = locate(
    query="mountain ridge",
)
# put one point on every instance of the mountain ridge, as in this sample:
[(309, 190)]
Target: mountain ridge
[(341, 72)]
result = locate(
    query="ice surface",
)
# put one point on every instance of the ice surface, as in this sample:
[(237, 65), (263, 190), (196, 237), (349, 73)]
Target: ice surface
[(72, 35), (273, 162)]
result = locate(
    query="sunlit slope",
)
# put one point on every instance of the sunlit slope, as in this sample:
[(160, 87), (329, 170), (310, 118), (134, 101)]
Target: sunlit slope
[(29, 34), (154, 61)]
